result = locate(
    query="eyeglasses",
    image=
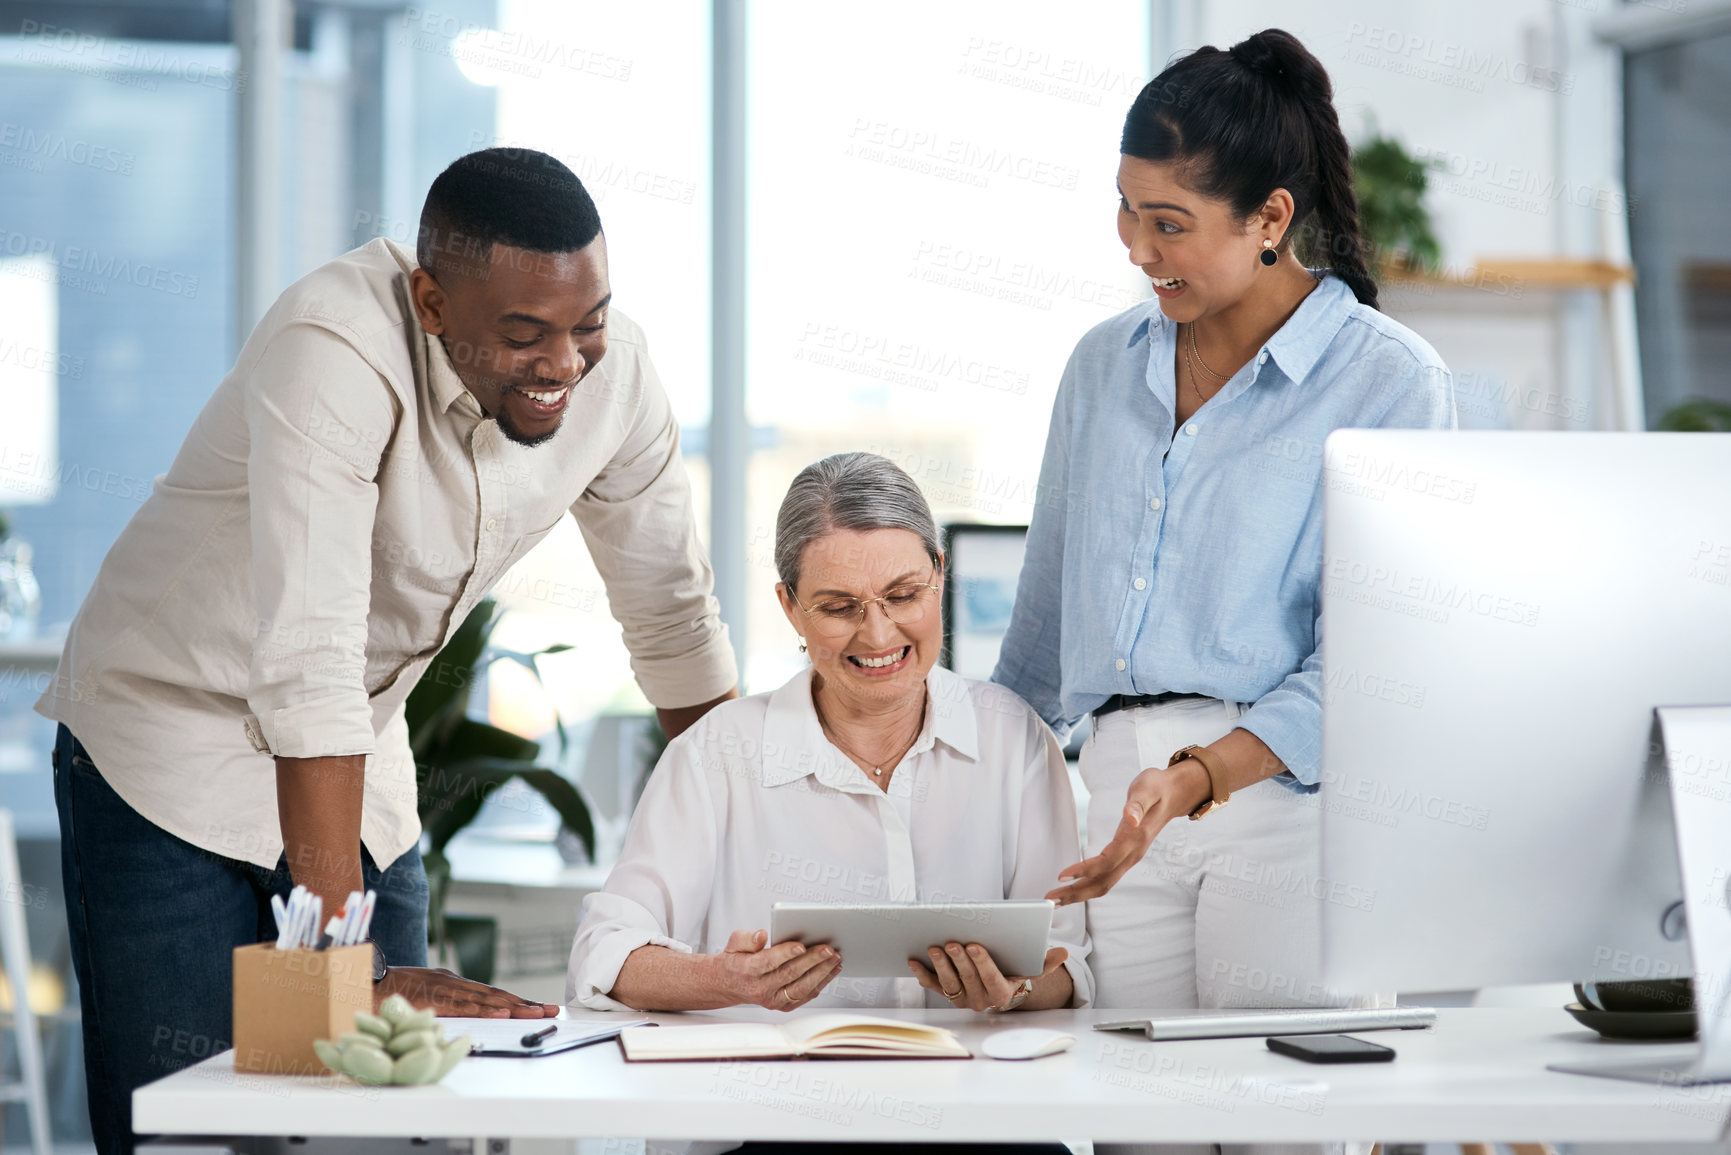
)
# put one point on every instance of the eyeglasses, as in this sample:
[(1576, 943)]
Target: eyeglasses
[(905, 605)]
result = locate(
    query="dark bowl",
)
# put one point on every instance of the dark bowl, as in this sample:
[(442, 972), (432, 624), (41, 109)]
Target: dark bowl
[(1661, 995), (1631, 1025)]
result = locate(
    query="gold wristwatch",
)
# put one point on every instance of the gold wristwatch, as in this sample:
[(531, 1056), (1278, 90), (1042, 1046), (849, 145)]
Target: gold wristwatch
[(1216, 777)]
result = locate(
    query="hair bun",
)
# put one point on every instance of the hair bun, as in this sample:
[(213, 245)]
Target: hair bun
[(1256, 54)]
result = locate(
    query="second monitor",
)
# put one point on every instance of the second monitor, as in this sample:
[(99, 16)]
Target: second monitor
[(1502, 613)]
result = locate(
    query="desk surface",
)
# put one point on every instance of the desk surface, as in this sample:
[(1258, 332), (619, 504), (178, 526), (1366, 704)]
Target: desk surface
[(1479, 1075)]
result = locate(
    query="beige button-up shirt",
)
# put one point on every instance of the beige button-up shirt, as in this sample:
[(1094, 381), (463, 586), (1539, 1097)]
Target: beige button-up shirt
[(338, 508)]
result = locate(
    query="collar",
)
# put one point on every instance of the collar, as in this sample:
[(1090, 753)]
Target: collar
[(443, 383), (1300, 343), (1297, 345), (1149, 319), (794, 744)]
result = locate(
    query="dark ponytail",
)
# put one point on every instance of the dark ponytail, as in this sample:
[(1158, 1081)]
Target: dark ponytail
[(1240, 124)]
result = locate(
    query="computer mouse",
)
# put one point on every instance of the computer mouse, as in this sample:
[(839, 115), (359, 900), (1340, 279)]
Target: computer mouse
[(1027, 1043)]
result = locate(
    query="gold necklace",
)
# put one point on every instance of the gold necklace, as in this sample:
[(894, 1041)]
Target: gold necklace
[(1190, 364), (1197, 353), (823, 723)]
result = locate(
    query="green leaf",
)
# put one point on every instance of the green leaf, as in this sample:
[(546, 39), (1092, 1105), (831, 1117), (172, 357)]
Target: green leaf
[(438, 869), (451, 795), (1390, 187), (442, 694), (470, 738), (1698, 415), (562, 794)]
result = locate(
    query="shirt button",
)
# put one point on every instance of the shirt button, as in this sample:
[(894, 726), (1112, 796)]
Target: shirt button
[(492, 524), (1140, 583), (1263, 359), (1120, 663), (1190, 429), (1154, 503)]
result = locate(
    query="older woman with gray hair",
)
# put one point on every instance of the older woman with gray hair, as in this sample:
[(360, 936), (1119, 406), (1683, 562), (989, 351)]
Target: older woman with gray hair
[(873, 776)]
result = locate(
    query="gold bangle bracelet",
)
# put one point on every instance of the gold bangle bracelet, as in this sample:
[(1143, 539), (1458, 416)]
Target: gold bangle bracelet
[(1218, 795)]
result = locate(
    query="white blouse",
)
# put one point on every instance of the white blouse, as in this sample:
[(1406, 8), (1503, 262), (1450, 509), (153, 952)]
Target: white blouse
[(754, 806)]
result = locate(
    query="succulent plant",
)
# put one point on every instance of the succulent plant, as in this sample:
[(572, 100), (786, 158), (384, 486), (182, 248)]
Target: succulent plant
[(398, 1045)]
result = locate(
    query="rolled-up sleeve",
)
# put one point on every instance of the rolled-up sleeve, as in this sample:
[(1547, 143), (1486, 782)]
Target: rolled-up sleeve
[(1047, 840), (1288, 719), (318, 417), (640, 525), (659, 893)]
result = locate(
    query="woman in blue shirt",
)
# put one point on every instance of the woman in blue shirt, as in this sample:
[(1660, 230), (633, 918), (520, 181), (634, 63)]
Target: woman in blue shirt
[(1171, 587)]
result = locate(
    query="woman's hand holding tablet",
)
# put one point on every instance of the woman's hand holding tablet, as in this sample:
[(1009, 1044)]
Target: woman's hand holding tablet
[(979, 955)]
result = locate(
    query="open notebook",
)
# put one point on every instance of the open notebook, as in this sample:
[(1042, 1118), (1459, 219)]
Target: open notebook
[(806, 1037)]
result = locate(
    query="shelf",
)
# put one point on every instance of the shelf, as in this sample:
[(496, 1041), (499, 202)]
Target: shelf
[(1494, 273)]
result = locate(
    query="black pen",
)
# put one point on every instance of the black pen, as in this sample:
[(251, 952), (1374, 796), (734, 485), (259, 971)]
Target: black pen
[(534, 1038)]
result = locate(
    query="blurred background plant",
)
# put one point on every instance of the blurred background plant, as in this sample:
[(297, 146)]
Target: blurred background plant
[(1698, 415), (1390, 185), (460, 761)]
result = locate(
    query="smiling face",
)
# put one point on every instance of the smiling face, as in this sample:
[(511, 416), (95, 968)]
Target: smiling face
[(523, 335), (1201, 258), (875, 663)]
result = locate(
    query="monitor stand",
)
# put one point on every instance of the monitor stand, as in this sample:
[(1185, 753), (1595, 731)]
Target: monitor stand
[(1693, 750)]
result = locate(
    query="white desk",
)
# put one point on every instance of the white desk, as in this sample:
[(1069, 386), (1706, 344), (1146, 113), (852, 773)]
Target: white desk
[(1479, 1075)]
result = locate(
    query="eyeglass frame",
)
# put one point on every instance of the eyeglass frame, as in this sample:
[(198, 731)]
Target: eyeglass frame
[(864, 602)]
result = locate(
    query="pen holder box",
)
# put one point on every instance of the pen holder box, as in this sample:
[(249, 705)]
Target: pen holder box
[(284, 999)]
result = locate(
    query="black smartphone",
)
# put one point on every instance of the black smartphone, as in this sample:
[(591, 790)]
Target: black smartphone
[(1330, 1049)]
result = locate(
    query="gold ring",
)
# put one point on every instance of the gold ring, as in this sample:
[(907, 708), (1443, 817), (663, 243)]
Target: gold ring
[(787, 996), (951, 997)]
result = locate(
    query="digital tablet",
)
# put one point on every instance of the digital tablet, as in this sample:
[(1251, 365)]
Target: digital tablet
[(877, 940)]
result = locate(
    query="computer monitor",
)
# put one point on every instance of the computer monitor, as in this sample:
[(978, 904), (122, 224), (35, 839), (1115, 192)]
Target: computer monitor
[(982, 565), (1502, 613)]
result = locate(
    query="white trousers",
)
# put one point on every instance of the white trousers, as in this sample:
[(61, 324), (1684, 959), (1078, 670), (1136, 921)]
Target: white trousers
[(1222, 912)]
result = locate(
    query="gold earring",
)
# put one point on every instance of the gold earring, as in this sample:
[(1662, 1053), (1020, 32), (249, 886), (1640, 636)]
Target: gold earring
[(1268, 255)]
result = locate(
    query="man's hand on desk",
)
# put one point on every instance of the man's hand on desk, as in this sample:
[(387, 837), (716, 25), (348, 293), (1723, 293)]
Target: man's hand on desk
[(452, 995)]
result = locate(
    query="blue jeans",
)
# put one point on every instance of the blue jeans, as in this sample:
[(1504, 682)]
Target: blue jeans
[(154, 924)]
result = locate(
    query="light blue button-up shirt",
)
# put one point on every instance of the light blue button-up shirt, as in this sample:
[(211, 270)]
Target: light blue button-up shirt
[(1189, 559)]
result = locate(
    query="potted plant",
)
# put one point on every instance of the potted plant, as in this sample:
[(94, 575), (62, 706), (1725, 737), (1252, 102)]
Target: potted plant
[(459, 762), (1699, 415), (1397, 228)]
